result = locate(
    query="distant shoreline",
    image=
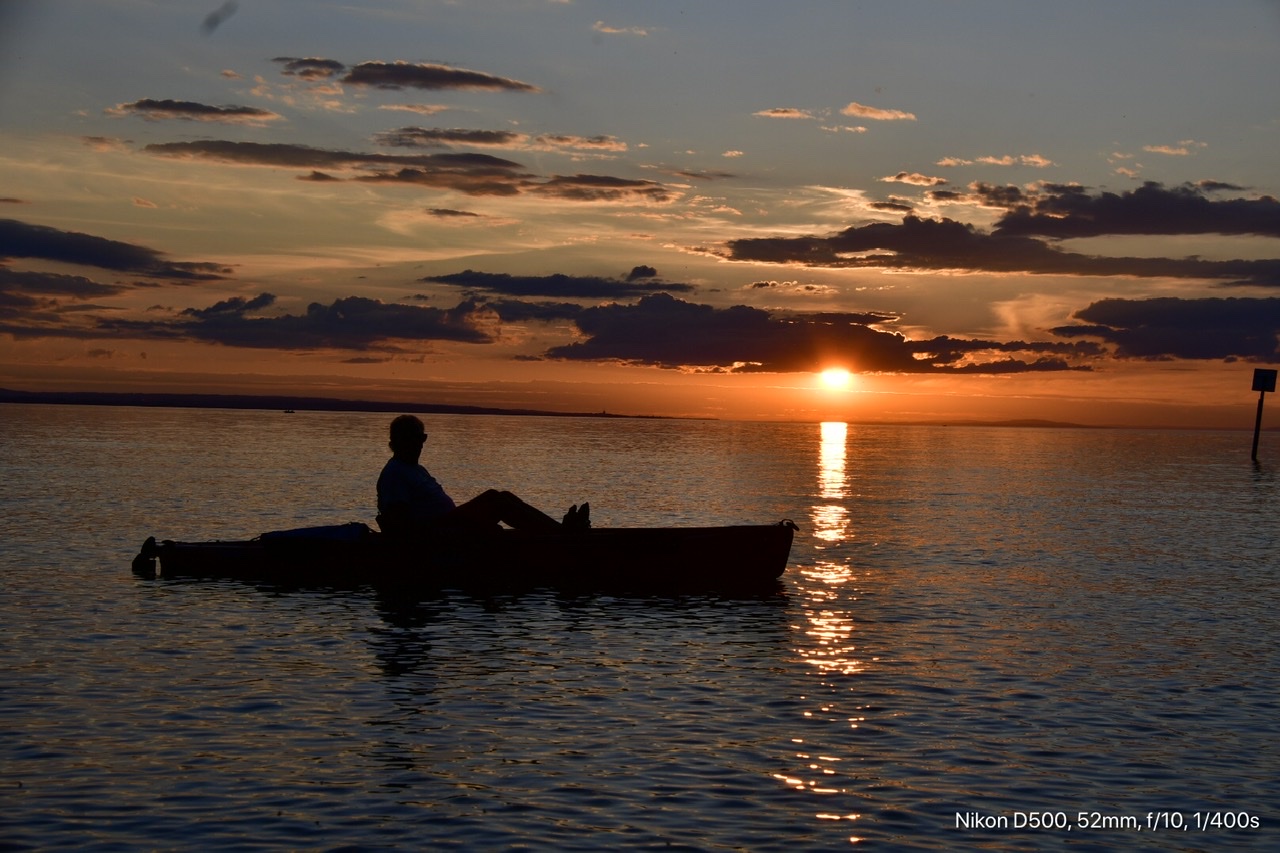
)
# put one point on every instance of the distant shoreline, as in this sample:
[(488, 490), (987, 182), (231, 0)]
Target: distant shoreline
[(284, 404)]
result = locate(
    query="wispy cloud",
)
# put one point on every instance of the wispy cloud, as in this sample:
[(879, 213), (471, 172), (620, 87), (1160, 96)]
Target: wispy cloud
[(1185, 148), (30, 283), (420, 109), (853, 108), (348, 323), (916, 179), (153, 109), (602, 27), (437, 137), (1034, 160), (641, 281), (475, 174), (467, 172), (310, 67), (24, 240), (604, 188), (423, 75), (785, 112)]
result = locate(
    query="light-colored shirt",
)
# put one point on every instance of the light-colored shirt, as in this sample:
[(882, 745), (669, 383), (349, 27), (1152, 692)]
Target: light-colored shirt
[(410, 489)]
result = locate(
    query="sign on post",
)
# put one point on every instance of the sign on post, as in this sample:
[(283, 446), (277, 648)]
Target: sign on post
[(1264, 380)]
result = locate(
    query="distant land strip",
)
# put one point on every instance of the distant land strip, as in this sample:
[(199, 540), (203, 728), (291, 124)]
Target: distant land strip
[(331, 404), (283, 403)]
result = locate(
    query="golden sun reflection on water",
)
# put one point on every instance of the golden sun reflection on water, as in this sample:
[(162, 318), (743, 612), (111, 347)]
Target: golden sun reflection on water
[(830, 648), (829, 631), (825, 637), (831, 519)]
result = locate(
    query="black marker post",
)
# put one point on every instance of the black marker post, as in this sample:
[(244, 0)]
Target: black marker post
[(1264, 380)]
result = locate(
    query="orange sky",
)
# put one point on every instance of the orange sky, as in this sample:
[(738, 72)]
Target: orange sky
[(532, 204)]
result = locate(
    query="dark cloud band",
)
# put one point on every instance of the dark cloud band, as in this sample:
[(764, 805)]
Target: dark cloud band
[(23, 240), (405, 75)]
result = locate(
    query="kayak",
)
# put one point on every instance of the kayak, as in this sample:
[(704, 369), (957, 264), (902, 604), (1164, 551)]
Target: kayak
[(640, 558)]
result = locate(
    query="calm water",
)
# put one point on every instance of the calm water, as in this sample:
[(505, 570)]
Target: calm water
[(979, 627)]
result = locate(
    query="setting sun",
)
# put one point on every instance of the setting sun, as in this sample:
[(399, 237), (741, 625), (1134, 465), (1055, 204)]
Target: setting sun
[(836, 378)]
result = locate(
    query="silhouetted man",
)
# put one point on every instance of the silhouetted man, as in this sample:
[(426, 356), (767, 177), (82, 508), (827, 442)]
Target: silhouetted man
[(411, 501)]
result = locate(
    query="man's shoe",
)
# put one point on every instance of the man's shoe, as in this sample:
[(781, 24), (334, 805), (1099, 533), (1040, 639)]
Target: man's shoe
[(577, 518)]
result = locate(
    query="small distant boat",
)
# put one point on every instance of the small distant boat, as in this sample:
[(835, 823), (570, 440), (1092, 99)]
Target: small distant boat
[(632, 558), (289, 411)]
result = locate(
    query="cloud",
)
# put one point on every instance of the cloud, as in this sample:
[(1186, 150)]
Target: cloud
[(104, 143), (703, 174), (448, 213), (1212, 328), (55, 284), (853, 108), (476, 179), (236, 305), (152, 109), (946, 245), (809, 289), (916, 179), (659, 330), (663, 331), (421, 137), (310, 68), (23, 240), (350, 323), (474, 174), (421, 109), (466, 172), (405, 75), (561, 286), (1213, 186), (1024, 239), (601, 142), (602, 27), (1036, 160), (892, 206), (785, 112), (520, 311), (604, 188), (1008, 196), (33, 303), (1061, 211), (304, 156), (1185, 148)]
